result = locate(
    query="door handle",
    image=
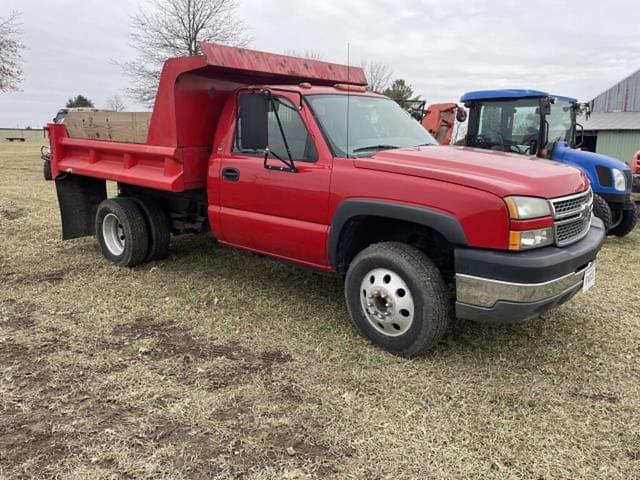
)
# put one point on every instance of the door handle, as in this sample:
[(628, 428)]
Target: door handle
[(230, 174)]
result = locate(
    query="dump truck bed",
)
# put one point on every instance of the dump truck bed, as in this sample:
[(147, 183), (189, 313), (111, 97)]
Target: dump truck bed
[(191, 95)]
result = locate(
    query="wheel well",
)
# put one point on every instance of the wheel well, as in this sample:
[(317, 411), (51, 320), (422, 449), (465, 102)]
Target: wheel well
[(360, 232)]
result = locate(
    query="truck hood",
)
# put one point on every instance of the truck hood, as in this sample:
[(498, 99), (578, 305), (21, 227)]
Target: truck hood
[(499, 173)]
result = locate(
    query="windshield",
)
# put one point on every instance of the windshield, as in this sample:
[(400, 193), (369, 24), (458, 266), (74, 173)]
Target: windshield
[(375, 123), (510, 126), (561, 121)]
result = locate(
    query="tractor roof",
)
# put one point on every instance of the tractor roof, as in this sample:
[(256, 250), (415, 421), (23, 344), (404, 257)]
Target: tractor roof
[(511, 93)]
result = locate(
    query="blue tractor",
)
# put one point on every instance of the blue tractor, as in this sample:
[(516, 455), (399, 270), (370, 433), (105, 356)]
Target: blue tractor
[(531, 122)]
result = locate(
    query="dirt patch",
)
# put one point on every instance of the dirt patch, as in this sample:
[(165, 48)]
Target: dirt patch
[(51, 276), (171, 341), (601, 397), (12, 213), (17, 314)]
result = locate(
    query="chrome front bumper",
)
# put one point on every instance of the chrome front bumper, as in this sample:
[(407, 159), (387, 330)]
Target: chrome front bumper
[(503, 287), (486, 292)]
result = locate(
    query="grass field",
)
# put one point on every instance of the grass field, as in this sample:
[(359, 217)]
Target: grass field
[(220, 364)]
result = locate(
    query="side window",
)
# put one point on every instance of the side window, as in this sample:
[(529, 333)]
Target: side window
[(290, 131), (490, 117)]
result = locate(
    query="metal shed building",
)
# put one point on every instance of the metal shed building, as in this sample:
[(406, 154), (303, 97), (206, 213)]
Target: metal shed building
[(614, 126)]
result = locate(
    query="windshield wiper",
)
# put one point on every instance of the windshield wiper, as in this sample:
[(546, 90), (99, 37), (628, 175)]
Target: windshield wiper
[(375, 147)]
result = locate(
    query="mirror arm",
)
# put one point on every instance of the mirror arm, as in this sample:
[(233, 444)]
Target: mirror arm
[(578, 145), (289, 163), (546, 134), (289, 167)]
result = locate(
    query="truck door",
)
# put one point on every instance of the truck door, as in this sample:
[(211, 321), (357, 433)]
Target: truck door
[(277, 211)]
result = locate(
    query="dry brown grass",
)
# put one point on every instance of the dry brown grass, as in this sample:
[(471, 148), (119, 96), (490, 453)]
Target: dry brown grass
[(220, 364)]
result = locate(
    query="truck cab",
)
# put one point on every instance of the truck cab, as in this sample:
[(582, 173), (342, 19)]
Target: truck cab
[(536, 123), (295, 159)]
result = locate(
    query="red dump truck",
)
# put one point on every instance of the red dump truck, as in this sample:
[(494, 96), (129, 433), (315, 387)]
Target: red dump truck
[(293, 158)]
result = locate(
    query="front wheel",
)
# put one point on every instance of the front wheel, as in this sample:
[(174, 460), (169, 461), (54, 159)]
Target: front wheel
[(602, 210), (397, 298), (625, 222)]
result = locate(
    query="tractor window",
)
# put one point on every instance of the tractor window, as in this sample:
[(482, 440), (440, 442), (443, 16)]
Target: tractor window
[(561, 121), (509, 126)]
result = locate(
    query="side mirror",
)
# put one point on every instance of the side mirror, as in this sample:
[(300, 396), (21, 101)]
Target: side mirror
[(253, 116)]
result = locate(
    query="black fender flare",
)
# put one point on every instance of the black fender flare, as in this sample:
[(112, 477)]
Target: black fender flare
[(447, 225)]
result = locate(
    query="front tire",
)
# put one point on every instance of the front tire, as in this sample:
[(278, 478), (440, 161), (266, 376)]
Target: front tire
[(122, 232), (602, 210), (397, 298)]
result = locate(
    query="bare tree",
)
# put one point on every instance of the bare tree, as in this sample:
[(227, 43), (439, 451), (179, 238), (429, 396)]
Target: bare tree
[(378, 75), (173, 28), (116, 103), (310, 54), (10, 53)]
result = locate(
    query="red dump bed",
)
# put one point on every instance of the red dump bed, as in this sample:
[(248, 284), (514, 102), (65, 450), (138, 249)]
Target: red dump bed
[(190, 98)]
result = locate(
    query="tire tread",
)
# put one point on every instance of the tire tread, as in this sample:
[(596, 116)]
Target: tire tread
[(128, 212), (427, 274)]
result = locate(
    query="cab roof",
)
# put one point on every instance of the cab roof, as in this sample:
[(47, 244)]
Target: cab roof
[(510, 93)]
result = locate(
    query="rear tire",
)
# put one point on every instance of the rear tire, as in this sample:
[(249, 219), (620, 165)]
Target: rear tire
[(627, 223), (397, 298), (122, 232), (157, 226), (602, 210), (46, 170)]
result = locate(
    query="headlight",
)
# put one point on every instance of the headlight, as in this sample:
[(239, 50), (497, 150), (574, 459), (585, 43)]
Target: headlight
[(619, 182), (524, 208), (526, 239)]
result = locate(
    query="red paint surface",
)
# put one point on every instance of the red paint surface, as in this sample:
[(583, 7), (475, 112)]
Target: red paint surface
[(635, 163), (533, 224)]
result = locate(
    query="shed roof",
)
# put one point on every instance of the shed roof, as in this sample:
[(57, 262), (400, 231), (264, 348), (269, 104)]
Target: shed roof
[(612, 121), (624, 96)]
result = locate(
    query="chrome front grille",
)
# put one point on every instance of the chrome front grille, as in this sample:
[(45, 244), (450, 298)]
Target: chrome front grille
[(572, 217)]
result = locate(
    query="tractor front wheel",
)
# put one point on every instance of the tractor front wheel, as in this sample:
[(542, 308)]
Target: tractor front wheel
[(602, 210)]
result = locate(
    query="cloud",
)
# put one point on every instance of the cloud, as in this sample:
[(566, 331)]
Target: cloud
[(576, 48)]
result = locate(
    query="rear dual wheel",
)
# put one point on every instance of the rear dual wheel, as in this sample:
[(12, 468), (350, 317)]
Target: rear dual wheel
[(131, 231), (158, 227)]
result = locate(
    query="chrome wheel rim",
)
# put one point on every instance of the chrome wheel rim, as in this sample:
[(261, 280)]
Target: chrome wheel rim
[(387, 302), (113, 234)]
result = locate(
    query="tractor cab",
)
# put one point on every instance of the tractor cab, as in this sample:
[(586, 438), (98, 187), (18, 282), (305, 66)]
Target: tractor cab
[(535, 123), (520, 121)]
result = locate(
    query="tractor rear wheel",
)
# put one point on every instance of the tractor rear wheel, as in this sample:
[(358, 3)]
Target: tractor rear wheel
[(626, 223)]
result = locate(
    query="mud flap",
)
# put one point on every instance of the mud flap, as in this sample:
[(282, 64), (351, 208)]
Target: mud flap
[(79, 198)]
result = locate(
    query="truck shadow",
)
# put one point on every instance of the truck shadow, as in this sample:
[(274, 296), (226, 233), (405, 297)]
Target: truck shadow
[(304, 293)]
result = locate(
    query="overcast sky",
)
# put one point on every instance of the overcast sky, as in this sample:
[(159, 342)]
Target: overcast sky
[(442, 48)]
